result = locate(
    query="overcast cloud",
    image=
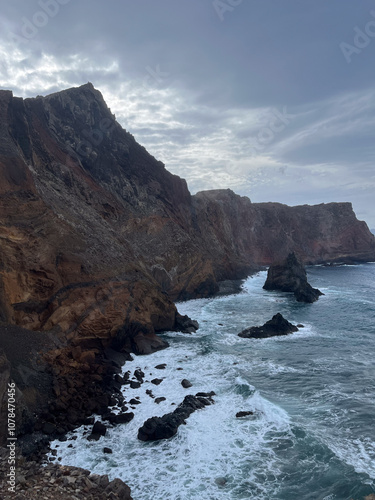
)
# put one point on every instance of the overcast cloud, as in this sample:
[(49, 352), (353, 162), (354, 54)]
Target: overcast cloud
[(272, 98)]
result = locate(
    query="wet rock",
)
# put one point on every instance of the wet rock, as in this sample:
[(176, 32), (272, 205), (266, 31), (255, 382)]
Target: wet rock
[(186, 383), (98, 430), (139, 375), (241, 414), (290, 276), (134, 384), (206, 394), (162, 366), (107, 450), (276, 326), (185, 324), (134, 402), (119, 488), (165, 427), (121, 418), (156, 381), (159, 400)]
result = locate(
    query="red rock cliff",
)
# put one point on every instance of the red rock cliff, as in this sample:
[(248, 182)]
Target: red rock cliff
[(96, 235)]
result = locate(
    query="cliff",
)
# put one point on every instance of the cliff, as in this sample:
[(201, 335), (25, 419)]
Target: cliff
[(97, 238), (96, 234), (238, 234)]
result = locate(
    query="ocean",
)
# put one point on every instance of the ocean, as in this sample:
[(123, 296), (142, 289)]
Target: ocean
[(312, 394)]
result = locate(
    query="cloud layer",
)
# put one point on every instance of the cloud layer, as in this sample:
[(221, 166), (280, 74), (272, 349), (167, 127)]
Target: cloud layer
[(255, 96)]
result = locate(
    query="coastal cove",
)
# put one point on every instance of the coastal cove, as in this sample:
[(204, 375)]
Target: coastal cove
[(312, 395)]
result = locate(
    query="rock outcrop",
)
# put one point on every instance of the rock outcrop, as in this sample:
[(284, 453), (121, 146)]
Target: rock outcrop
[(275, 327), (290, 276), (165, 427), (54, 481)]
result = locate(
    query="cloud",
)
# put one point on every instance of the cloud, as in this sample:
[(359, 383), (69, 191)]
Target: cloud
[(262, 102)]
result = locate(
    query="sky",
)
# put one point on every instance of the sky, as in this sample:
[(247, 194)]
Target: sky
[(274, 99)]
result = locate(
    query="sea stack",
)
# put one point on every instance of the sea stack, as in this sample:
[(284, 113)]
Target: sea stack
[(275, 327), (290, 276)]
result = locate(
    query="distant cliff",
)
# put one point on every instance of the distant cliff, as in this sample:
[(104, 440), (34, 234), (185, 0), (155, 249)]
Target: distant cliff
[(96, 236)]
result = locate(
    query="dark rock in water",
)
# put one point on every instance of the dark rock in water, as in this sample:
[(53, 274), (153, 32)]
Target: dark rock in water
[(134, 384), (107, 450), (159, 400), (186, 383), (165, 427), (300, 325), (206, 394), (290, 276), (138, 373), (156, 381), (134, 402), (123, 418), (185, 324), (276, 326), (162, 366), (244, 414), (98, 430)]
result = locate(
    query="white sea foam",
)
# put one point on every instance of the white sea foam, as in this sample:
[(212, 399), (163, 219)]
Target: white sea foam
[(212, 456), (217, 456), (360, 453)]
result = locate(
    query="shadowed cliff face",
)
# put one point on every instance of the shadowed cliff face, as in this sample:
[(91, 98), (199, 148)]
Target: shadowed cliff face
[(238, 234), (96, 236)]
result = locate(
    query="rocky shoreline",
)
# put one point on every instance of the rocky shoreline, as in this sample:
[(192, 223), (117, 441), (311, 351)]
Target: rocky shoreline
[(36, 481)]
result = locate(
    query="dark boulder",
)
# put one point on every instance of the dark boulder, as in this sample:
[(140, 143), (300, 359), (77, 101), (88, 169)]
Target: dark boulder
[(186, 383), (290, 276), (185, 324), (134, 384), (165, 427), (139, 375), (156, 381), (123, 418), (241, 414), (276, 326), (98, 430)]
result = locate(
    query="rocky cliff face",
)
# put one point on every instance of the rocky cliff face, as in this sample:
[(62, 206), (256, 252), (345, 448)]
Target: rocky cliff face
[(239, 235), (97, 238), (96, 235)]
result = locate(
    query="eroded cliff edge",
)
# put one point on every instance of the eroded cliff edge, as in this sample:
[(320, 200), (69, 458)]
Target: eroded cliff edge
[(97, 238)]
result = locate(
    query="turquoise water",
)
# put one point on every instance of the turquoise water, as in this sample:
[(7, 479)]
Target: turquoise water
[(312, 435)]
